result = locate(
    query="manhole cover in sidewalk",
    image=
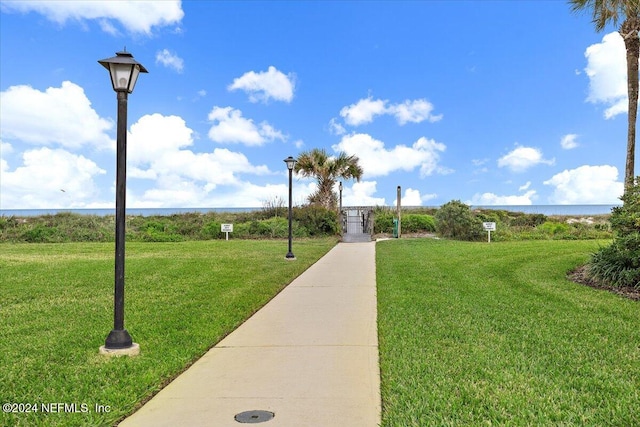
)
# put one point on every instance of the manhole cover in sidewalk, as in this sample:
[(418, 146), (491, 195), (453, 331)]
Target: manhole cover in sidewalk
[(254, 417)]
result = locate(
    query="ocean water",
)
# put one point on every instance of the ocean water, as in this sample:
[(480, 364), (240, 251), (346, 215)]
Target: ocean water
[(529, 209), (555, 209)]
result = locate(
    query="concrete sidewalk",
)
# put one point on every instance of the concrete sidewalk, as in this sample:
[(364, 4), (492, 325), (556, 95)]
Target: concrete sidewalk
[(310, 357)]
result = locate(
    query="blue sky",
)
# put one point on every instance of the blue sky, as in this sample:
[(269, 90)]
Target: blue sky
[(488, 102)]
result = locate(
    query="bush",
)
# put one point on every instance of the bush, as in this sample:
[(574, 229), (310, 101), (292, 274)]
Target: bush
[(276, 227), (625, 219), (317, 220), (41, 234), (619, 263), (211, 230), (554, 228), (383, 220), (416, 223), (531, 220), (456, 221)]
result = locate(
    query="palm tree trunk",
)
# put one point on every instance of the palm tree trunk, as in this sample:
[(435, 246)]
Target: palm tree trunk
[(629, 32), (325, 194)]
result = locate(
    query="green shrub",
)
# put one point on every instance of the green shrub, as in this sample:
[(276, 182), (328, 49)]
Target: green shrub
[(625, 219), (554, 228), (619, 263), (317, 220), (383, 221), (415, 223), (211, 230), (530, 220), (276, 227), (456, 221), (40, 234)]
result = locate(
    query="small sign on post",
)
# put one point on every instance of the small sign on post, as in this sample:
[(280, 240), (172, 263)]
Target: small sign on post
[(226, 228), (489, 226)]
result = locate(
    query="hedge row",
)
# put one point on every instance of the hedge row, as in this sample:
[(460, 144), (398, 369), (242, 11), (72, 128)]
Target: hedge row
[(307, 221)]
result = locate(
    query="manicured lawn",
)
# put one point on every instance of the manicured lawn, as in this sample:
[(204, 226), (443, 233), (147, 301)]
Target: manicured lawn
[(181, 298), (493, 334)]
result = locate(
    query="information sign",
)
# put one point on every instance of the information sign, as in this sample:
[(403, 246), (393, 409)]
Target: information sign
[(226, 228)]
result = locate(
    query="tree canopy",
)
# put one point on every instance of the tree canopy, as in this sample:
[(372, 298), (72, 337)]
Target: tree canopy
[(326, 170)]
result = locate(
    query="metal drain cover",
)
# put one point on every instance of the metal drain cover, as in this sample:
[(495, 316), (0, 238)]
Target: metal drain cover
[(254, 417)]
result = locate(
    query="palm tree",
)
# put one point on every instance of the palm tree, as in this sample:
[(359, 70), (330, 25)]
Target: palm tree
[(612, 12), (326, 169)]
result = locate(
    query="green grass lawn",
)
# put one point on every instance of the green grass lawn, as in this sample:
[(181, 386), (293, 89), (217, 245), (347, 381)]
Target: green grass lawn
[(56, 310), (478, 334)]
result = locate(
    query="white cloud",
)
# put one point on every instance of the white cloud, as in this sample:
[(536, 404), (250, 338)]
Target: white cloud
[(230, 127), (157, 142), (607, 72), (49, 177), (376, 160), (61, 116), (525, 186), (170, 60), (414, 111), (586, 185), (182, 177), (522, 158), (491, 199), (411, 198), (248, 195), (265, 85), (361, 194), (241, 195), (135, 16), (163, 172), (336, 128), (365, 110), (154, 135), (568, 142), (5, 148), (414, 198)]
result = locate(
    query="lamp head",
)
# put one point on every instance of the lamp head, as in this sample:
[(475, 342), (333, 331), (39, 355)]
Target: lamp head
[(291, 162), (124, 71)]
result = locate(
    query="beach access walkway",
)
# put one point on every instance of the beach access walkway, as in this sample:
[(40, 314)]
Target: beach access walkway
[(308, 358)]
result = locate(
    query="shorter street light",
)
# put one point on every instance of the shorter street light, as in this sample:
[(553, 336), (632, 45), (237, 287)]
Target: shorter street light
[(124, 72), (291, 162)]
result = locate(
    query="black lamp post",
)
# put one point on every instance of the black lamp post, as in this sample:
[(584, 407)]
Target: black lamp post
[(291, 162), (340, 208), (124, 72)]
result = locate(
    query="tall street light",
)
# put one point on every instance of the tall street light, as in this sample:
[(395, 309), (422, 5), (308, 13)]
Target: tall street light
[(291, 162), (340, 209), (124, 72)]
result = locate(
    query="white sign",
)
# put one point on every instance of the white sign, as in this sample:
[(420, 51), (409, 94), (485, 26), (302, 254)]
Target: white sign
[(226, 228), (489, 226)]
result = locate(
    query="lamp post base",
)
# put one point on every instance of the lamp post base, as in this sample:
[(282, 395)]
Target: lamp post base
[(118, 338), (134, 350), (290, 257)]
